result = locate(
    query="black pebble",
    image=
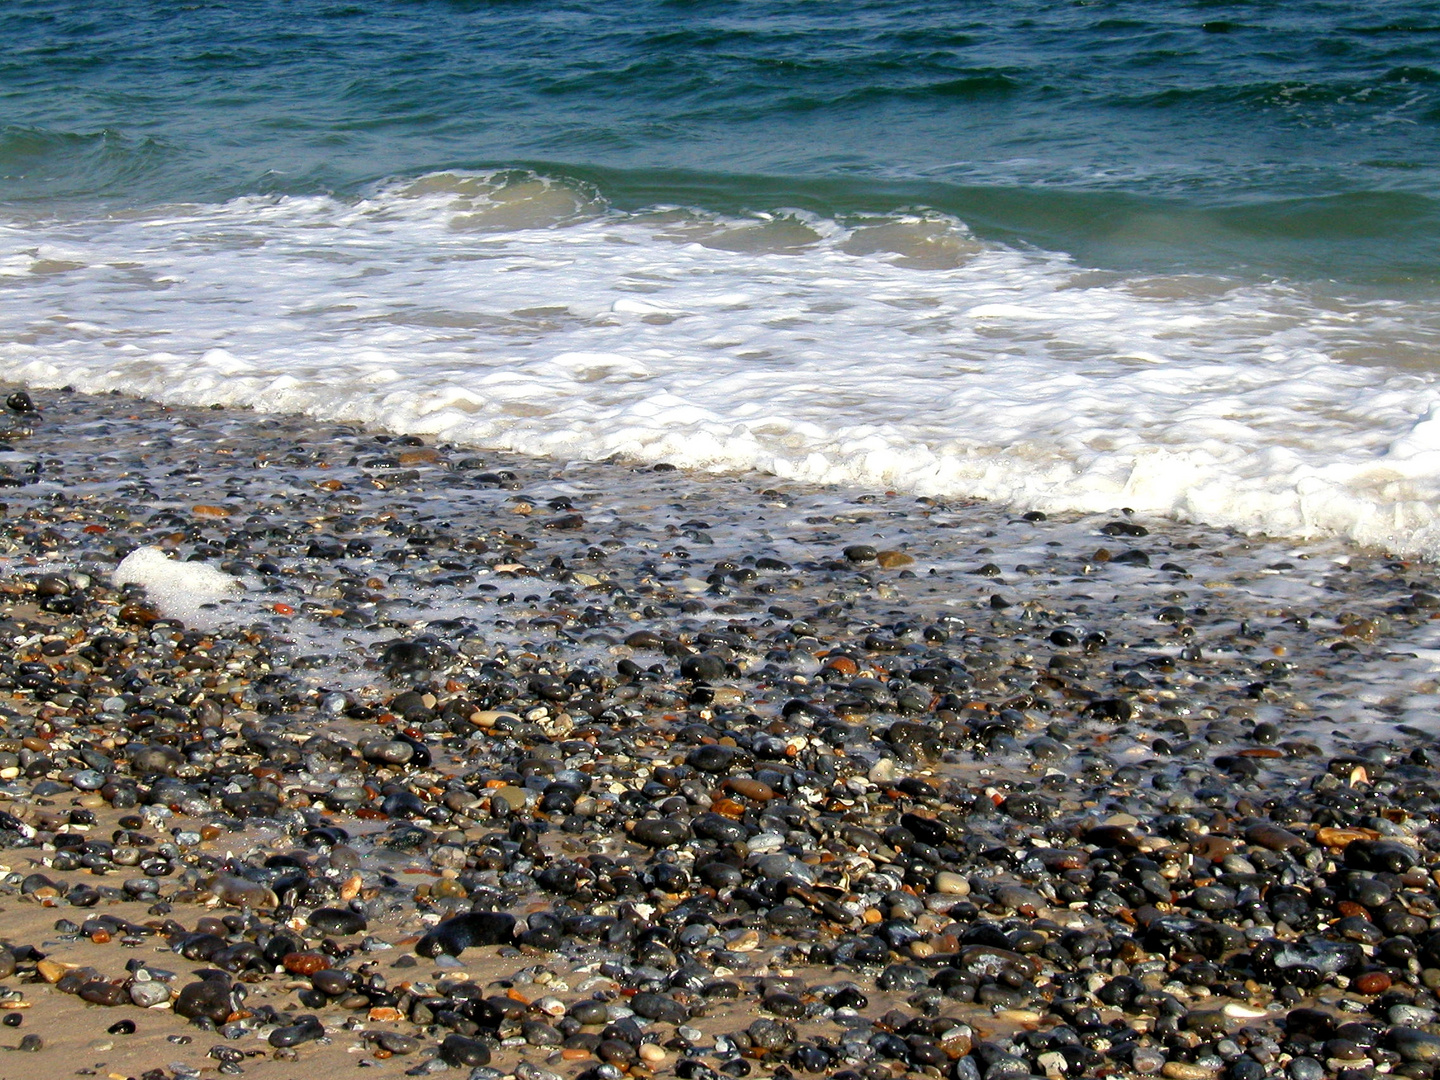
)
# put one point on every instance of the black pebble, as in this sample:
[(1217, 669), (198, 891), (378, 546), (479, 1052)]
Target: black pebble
[(470, 931), (306, 1029), (337, 921), (467, 1053)]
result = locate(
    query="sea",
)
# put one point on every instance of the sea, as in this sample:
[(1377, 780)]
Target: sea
[(1180, 257)]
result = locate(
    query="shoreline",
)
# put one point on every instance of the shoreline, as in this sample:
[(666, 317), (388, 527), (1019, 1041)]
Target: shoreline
[(779, 723)]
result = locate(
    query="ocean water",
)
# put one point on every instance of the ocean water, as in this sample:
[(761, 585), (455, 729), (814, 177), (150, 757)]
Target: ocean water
[(1181, 257)]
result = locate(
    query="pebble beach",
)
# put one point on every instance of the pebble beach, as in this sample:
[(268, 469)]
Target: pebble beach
[(323, 749)]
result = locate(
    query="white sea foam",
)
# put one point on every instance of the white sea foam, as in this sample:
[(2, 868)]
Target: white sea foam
[(897, 352), (181, 590)]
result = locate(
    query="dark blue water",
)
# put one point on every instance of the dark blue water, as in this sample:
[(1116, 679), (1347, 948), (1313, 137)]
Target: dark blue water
[(1299, 139)]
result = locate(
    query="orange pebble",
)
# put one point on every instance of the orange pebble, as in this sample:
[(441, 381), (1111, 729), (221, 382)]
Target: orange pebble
[(727, 807), (304, 963)]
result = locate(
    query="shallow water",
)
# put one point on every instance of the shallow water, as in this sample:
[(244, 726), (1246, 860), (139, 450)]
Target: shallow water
[(344, 543)]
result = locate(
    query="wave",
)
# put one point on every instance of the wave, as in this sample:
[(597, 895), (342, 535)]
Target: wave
[(534, 312), (1366, 237), (40, 165), (1364, 99), (1371, 237)]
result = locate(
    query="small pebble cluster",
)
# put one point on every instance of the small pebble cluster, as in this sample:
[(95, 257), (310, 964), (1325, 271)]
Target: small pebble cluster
[(504, 767)]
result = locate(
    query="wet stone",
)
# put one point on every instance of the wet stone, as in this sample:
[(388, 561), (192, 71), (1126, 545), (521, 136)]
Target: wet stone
[(306, 1029), (659, 1007), (587, 1012), (769, 1035), (616, 1052), (337, 921), (473, 930), (659, 832), (464, 1052), (784, 1005), (396, 1042), (1412, 1044), (208, 999), (102, 992)]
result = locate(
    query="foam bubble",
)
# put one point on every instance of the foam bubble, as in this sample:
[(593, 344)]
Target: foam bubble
[(181, 590)]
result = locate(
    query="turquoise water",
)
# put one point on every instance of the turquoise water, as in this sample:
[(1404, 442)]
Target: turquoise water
[(1298, 139)]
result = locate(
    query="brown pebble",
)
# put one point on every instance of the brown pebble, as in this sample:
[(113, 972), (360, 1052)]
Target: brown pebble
[(1184, 1070), (1273, 837), (104, 992), (751, 789), (52, 971), (1342, 838), (1213, 848), (304, 963), (890, 560), (1372, 982)]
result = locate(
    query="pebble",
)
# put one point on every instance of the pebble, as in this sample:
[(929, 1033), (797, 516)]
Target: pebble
[(1413, 1044), (1146, 1061), (949, 883), (464, 1052), (1182, 1070)]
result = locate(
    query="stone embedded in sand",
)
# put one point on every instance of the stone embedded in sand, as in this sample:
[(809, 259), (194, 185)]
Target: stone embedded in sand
[(242, 893), (104, 992), (462, 1052), (305, 1029), (148, 994), (337, 921), (207, 998), (52, 971), (470, 931)]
